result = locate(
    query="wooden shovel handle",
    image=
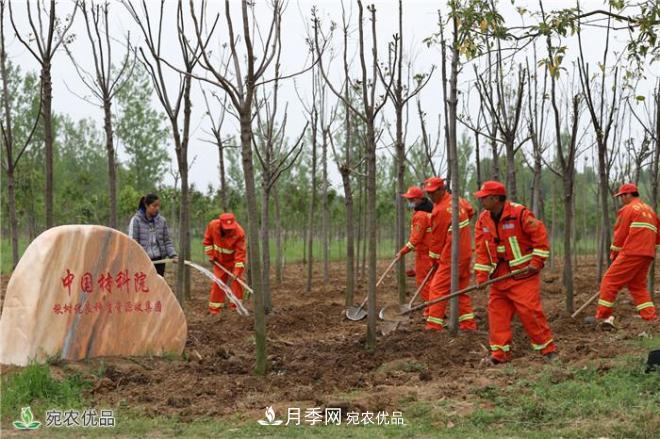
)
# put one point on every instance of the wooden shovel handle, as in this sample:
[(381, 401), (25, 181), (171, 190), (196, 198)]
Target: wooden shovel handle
[(465, 290), (236, 278), (382, 276), (428, 277), (162, 261), (587, 303), (387, 270)]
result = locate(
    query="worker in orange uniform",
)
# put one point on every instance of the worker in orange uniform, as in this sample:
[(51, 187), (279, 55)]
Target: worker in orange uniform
[(224, 243), (420, 235), (509, 238), (633, 248), (440, 253)]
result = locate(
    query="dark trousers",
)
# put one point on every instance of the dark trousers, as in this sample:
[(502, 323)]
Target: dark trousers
[(160, 268)]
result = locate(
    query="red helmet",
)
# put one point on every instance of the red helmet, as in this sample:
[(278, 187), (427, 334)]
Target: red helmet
[(490, 188), (228, 221), (627, 188), (433, 184), (413, 192)]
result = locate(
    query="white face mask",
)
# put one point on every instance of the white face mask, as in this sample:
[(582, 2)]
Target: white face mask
[(411, 205)]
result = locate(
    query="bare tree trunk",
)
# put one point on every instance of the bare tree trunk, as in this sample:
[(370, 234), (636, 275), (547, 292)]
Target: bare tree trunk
[(477, 153), (265, 240), (400, 148), (183, 271), (654, 179), (112, 166), (13, 219), (43, 51), (8, 140), (325, 218), (512, 189), (350, 237), (224, 201), (370, 157), (603, 177), (253, 232), (360, 238), (279, 252), (568, 181), (553, 224), (312, 206), (453, 165), (495, 153), (47, 117), (365, 233), (536, 184)]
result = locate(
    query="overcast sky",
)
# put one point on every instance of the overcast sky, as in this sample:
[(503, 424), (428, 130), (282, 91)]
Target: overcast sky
[(420, 21)]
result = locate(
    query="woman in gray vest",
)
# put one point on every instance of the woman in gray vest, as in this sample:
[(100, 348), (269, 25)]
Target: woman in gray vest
[(150, 230)]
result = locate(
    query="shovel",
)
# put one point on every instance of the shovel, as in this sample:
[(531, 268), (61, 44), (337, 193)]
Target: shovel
[(392, 312), (392, 326), (586, 304), (356, 313)]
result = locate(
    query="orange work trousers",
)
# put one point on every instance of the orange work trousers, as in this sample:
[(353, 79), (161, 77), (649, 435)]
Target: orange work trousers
[(441, 286), (520, 297), (626, 271), (422, 266), (217, 299)]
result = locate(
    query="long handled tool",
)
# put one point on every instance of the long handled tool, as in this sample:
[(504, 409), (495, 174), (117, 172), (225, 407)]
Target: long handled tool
[(392, 326), (392, 312), (228, 292), (163, 261), (232, 298), (236, 278), (358, 312), (586, 304)]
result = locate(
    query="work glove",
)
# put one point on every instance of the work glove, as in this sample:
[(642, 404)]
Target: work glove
[(533, 268), (175, 259)]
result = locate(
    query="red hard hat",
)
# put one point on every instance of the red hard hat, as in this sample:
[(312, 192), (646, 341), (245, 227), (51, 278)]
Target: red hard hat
[(228, 221), (433, 184), (627, 188), (413, 192), (490, 188)]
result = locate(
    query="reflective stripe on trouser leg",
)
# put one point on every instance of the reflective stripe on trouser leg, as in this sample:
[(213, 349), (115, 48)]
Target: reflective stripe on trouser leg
[(640, 294), (525, 294), (441, 285), (217, 295), (622, 271), (500, 313)]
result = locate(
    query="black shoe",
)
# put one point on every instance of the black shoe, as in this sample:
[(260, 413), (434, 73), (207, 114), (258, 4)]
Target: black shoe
[(590, 321), (550, 357)]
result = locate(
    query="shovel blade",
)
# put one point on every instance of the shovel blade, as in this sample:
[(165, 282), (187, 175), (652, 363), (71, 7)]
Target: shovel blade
[(392, 313), (389, 327), (355, 313)]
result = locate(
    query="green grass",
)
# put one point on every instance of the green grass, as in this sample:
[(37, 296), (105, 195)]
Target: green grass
[(608, 398), (35, 386)]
